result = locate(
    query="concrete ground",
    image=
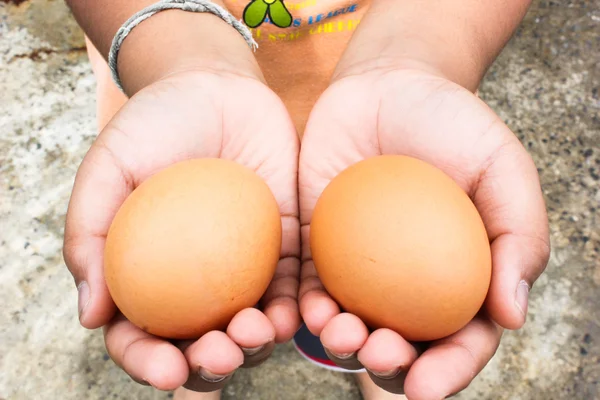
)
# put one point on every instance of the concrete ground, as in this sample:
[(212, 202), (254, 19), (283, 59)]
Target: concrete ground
[(545, 86)]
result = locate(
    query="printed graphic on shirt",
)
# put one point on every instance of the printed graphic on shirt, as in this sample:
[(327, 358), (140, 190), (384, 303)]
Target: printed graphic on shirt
[(257, 10), (309, 24)]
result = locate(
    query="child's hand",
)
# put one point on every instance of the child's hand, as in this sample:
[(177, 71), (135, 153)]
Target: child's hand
[(186, 115), (419, 114)]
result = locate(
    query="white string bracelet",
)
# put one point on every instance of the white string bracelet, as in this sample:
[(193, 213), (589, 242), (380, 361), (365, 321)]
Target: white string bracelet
[(162, 5)]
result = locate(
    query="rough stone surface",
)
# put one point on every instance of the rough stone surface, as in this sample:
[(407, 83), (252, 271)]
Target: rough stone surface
[(545, 85)]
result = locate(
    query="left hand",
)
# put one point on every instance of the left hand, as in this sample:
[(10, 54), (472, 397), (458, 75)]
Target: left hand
[(423, 115)]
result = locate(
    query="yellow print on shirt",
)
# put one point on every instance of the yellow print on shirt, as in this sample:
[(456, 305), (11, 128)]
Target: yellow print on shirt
[(302, 5), (323, 28)]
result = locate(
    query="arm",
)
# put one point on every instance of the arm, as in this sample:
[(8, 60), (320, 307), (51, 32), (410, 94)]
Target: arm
[(458, 40), (198, 94), (396, 91), (194, 41)]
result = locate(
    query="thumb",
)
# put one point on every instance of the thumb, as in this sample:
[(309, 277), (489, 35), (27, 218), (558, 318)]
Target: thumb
[(511, 204), (99, 190)]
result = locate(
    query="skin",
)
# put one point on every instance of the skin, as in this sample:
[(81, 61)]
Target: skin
[(471, 144), (391, 87), (407, 96), (191, 108)]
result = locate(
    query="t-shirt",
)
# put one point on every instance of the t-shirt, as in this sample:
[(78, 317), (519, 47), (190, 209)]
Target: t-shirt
[(299, 56)]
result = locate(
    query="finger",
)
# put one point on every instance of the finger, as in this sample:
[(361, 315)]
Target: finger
[(387, 357), (280, 301), (279, 170), (316, 306), (212, 360), (450, 364), (254, 333), (322, 158), (100, 188), (510, 201), (342, 337), (146, 358)]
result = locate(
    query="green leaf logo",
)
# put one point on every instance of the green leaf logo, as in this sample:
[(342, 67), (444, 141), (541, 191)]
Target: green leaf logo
[(257, 10)]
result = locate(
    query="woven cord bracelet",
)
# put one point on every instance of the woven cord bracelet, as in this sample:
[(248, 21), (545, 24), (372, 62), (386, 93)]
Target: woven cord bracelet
[(203, 6)]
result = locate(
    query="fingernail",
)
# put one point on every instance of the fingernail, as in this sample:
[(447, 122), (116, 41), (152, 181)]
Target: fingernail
[(146, 383), (387, 374), (84, 297), (341, 356), (522, 297), (252, 351), (210, 377)]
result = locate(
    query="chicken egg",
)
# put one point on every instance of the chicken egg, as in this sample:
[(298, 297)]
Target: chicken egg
[(398, 243), (191, 246)]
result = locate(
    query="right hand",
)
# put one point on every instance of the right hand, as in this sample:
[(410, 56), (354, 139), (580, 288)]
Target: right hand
[(192, 114)]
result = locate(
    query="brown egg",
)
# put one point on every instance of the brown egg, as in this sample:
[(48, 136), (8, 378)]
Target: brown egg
[(191, 246), (399, 244)]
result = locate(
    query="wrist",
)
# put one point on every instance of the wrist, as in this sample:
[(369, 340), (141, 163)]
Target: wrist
[(458, 41), (407, 44), (176, 41), (401, 61)]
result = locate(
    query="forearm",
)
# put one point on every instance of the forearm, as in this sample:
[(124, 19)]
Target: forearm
[(459, 39), (168, 42)]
